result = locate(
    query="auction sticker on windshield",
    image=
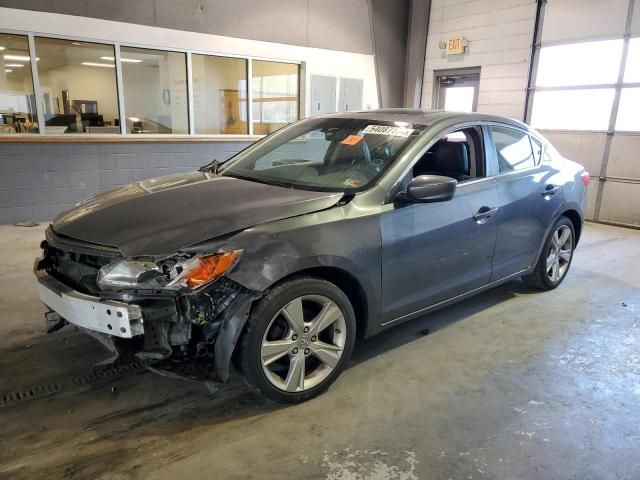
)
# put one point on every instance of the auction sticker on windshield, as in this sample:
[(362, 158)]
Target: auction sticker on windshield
[(387, 130)]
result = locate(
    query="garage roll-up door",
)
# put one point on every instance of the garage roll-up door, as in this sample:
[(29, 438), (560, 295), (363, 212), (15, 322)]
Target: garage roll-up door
[(585, 95)]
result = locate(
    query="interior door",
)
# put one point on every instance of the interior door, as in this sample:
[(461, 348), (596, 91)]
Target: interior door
[(457, 90), (350, 95), (323, 95)]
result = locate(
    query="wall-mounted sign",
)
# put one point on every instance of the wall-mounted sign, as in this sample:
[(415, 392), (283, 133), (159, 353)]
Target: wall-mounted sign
[(456, 46)]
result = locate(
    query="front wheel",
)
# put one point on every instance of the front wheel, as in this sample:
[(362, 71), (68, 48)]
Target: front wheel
[(555, 258), (298, 339)]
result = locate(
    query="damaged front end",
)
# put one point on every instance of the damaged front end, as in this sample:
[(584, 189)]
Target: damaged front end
[(180, 315)]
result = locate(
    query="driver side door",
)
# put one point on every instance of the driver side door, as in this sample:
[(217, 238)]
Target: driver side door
[(433, 252)]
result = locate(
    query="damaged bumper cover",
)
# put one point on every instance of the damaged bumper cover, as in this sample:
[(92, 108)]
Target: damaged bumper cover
[(189, 335)]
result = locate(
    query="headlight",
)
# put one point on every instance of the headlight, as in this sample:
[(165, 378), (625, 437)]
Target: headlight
[(174, 273)]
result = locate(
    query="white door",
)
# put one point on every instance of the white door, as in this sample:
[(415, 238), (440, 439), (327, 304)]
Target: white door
[(323, 95), (350, 95)]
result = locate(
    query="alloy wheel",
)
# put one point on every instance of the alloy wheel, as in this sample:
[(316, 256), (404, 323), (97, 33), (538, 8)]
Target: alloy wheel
[(303, 343), (559, 255)]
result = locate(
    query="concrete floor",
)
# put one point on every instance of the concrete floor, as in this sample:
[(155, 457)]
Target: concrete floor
[(510, 384)]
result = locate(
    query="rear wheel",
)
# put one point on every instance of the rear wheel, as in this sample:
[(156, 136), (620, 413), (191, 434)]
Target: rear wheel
[(299, 338), (555, 258)]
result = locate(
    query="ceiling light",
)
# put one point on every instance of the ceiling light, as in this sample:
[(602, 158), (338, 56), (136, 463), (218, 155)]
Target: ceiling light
[(77, 43), (20, 58), (1, 49), (8, 70), (93, 64), (14, 65), (123, 60)]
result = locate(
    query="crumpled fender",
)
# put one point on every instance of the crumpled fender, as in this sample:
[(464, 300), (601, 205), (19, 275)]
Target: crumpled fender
[(235, 317)]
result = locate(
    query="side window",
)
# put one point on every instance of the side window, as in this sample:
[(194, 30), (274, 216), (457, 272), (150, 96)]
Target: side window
[(513, 149), (458, 155)]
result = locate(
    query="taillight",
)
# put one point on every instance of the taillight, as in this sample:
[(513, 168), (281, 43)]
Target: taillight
[(585, 178)]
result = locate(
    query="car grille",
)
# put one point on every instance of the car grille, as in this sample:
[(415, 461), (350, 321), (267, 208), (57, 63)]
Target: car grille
[(75, 263)]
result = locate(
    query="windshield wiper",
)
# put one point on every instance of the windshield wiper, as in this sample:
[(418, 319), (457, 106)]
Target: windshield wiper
[(274, 183), (211, 167)]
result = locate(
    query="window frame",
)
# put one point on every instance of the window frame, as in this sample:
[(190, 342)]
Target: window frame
[(35, 88), (191, 104), (42, 135), (119, 116)]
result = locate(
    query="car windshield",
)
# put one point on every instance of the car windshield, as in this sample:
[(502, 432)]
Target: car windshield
[(328, 154)]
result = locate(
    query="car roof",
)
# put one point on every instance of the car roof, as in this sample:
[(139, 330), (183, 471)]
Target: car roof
[(426, 117)]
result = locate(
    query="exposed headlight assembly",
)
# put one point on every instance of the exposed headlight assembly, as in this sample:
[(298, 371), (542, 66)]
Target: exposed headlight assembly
[(177, 273)]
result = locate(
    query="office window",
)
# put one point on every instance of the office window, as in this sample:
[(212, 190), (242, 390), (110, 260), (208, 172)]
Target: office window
[(513, 148), (628, 116), (632, 67), (77, 86), (275, 90), (155, 91), (219, 94), (590, 63), (17, 102), (586, 109)]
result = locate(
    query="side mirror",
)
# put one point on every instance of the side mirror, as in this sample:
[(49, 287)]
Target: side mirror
[(429, 189)]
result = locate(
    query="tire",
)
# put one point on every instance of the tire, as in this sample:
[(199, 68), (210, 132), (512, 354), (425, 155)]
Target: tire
[(275, 346), (544, 278)]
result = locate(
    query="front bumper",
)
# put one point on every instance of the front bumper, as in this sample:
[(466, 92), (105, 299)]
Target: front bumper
[(105, 316), (170, 331)]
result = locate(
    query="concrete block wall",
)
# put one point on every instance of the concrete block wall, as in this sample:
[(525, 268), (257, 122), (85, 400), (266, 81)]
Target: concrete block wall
[(39, 180)]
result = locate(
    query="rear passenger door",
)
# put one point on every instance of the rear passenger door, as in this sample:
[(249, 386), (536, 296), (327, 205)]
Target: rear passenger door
[(529, 195)]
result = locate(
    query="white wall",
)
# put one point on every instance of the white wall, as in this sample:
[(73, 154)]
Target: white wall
[(500, 33), (317, 61)]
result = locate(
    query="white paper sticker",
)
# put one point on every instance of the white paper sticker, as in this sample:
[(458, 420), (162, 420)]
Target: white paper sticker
[(387, 130)]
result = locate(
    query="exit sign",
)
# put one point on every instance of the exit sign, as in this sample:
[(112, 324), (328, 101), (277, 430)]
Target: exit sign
[(456, 46)]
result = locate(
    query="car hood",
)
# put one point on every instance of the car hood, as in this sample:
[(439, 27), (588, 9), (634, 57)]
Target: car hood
[(160, 216)]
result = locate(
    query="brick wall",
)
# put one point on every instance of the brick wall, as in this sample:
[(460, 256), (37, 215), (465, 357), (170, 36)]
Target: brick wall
[(39, 180)]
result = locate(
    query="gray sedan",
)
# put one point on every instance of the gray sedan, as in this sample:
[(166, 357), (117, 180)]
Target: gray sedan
[(328, 230)]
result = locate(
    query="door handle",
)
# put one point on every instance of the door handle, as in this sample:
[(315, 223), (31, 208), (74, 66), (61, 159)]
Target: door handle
[(549, 190), (484, 214)]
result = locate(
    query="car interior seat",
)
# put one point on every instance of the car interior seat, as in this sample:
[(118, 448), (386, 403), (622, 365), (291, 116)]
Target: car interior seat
[(450, 159)]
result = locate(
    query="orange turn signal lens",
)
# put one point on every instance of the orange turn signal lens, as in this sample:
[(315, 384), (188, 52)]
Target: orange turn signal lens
[(208, 268)]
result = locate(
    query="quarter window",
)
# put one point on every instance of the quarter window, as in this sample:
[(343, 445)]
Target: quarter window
[(513, 149)]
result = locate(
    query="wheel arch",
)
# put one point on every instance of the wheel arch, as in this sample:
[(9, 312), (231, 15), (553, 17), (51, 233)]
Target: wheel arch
[(576, 220)]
